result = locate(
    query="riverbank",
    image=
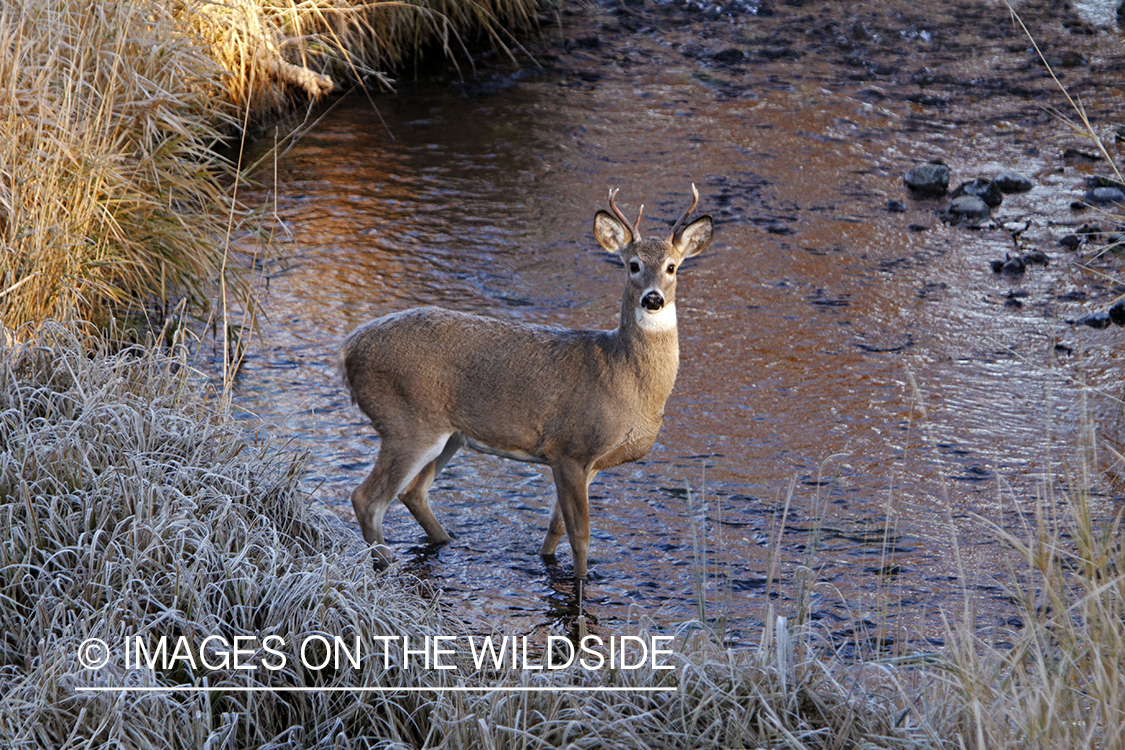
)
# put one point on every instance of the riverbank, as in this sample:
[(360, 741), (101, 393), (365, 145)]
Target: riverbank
[(114, 200)]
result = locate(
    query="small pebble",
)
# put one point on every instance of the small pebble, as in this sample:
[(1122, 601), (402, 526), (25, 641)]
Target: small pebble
[(1013, 266), (1010, 182), (1105, 195)]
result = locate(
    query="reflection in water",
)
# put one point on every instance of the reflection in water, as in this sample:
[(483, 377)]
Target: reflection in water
[(851, 380)]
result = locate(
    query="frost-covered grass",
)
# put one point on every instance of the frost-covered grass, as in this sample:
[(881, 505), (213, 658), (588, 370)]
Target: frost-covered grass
[(131, 506)]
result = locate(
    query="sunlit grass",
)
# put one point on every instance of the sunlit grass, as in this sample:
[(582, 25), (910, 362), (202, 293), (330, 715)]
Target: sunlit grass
[(113, 195), (277, 48), (110, 192)]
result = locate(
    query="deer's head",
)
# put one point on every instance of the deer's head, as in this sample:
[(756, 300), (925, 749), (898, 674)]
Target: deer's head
[(652, 262)]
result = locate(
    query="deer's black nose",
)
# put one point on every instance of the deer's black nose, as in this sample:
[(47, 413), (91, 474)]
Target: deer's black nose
[(652, 301)]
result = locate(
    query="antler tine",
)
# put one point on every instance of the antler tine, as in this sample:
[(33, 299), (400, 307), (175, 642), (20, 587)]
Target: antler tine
[(621, 217), (685, 214), (637, 226)]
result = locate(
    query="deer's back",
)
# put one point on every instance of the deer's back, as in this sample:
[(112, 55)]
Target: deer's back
[(518, 388)]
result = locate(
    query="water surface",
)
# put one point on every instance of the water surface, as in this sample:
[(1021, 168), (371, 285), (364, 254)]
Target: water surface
[(854, 381)]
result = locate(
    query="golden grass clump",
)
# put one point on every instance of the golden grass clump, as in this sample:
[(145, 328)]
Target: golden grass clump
[(111, 194), (1061, 682), (277, 48)]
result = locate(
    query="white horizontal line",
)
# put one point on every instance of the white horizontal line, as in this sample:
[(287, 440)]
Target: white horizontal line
[(405, 689)]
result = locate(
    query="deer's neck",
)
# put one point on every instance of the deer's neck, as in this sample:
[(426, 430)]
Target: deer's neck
[(650, 343)]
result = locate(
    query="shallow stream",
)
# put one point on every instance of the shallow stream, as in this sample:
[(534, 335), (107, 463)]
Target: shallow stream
[(858, 393)]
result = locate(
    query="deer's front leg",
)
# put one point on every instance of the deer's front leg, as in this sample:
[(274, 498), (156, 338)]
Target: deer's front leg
[(572, 481)]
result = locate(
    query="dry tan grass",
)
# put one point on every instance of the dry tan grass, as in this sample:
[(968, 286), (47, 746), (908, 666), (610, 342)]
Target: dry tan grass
[(112, 195), (781, 694), (1062, 683), (277, 48)]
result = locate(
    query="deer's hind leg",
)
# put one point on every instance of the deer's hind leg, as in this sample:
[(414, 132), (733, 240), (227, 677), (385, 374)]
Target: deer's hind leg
[(555, 530), (417, 495), (398, 465)]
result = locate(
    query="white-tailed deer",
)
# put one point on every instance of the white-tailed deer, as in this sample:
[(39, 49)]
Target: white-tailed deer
[(434, 380)]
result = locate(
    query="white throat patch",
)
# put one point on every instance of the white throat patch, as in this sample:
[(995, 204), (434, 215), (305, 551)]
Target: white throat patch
[(658, 321)]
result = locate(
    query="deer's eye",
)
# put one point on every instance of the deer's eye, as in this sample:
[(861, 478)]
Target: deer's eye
[(634, 266), (671, 269)]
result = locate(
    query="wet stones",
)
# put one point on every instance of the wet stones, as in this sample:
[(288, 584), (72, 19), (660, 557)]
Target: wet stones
[(970, 208), (1104, 196), (1011, 182), (928, 180), (1011, 266), (987, 190), (1103, 319), (1072, 241), (972, 201), (1014, 266), (1098, 320), (1102, 192), (1091, 234)]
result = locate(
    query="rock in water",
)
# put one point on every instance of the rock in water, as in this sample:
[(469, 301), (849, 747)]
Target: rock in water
[(1104, 195), (1097, 320), (1010, 182), (929, 179), (984, 189), (1013, 266), (969, 207), (1117, 313)]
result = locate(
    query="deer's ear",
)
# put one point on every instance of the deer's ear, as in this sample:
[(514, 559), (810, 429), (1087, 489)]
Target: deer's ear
[(692, 239), (611, 233)]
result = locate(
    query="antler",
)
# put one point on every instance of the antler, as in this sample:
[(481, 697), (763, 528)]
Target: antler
[(636, 226), (684, 215)]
